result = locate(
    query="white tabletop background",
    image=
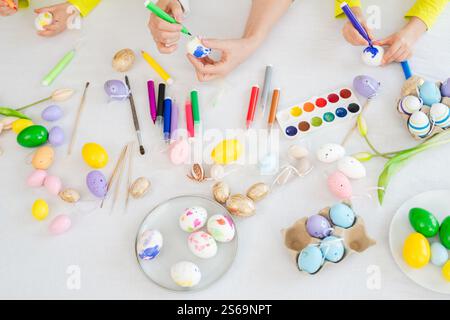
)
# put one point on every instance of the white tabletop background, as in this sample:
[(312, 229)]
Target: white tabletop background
[(310, 57)]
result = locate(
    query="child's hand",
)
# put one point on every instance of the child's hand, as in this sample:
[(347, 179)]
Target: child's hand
[(165, 34), (61, 15), (5, 10), (351, 34), (402, 42)]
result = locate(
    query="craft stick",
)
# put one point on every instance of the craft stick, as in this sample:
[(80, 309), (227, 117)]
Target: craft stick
[(130, 167), (60, 66), (119, 179), (114, 173), (77, 119)]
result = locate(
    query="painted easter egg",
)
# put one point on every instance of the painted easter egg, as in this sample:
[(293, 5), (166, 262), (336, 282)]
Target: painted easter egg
[(149, 244), (197, 49), (423, 222), (221, 228), (416, 250), (419, 124), (193, 219), (53, 184), (366, 86), (240, 205), (20, 124), (40, 210), (123, 60), (32, 136), (446, 271), (440, 114), (332, 248), (94, 155), (227, 151), (56, 136), (202, 245), (410, 104), (318, 226), (43, 158), (60, 224), (179, 152), (339, 185), (42, 20), (36, 178), (117, 90), (372, 56), (444, 232), (330, 152), (96, 183), (185, 274), (310, 259), (342, 215), (429, 92), (445, 88), (352, 168), (52, 113), (439, 254)]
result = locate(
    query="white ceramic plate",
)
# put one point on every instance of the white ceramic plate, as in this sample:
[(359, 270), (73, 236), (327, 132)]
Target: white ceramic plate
[(164, 218), (438, 203)]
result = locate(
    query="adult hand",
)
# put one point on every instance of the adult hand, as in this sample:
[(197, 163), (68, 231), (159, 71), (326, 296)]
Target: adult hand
[(61, 15), (6, 10)]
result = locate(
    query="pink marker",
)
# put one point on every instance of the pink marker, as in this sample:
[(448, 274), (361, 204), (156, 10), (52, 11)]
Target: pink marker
[(152, 99), (189, 120)]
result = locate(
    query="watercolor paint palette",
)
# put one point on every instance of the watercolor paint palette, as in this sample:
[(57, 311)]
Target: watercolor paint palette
[(318, 112)]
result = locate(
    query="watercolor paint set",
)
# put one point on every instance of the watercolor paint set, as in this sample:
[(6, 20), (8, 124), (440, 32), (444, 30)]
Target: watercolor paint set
[(318, 112)]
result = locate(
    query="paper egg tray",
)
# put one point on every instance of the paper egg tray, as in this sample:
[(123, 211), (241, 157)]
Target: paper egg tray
[(410, 89), (355, 238), (318, 112)]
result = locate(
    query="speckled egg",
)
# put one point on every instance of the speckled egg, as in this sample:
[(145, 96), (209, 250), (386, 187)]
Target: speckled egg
[(445, 88), (310, 259), (410, 104), (342, 215), (149, 244), (332, 249), (439, 254), (97, 183), (429, 92), (352, 168), (419, 124), (185, 274), (52, 113), (221, 228), (43, 158), (330, 152), (56, 136), (60, 224), (36, 178), (193, 219), (440, 114), (53, 184), (339, 185), (318, 226), (202, 245)]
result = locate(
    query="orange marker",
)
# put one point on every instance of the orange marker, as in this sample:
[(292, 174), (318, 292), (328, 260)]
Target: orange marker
[(11, 4), (273, 107)]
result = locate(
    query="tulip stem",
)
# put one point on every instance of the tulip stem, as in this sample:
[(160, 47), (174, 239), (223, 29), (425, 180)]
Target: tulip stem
[(375, 150), (33, 104)]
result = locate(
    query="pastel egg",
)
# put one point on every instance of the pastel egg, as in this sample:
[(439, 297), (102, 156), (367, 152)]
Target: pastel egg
[(202, 245), (52, 113), (43, 158), (60, 224), (440, 114), (423, 222), (193, 219), (94, 155), (53, 184), (445, 88), (332, 248), (339, 185), (32, 136), (372, 56), (419, 124), (352, 168), (97, 183), (429, 92), (40, 210), (43, 19), (366, 86), (342, 215), (149, 244), (179, 152), (318, 226), (197, 49), (439, 254), (20, 124), (36, 178), (227, 151), (310, 259), (185, 274), (416, 250), (410, 104), (221, 228), (446, 271), (56, 136), (330, 152), (444, 232)]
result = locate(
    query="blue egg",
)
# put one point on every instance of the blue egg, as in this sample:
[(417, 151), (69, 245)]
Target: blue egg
[(52, 113), (430, 93), (342, 215), (56, 136), (310, 259), (332, 248), (439, 254)]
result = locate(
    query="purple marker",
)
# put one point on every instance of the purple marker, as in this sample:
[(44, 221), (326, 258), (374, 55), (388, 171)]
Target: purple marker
[(152, 99), (355, 22), (174, 121)]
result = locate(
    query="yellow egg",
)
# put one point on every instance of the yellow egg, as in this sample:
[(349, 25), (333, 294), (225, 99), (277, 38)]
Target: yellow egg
[(94, 155), (20, 124), (416, 250), (227, 151), (40, 210), (446, 270), (43, 158)]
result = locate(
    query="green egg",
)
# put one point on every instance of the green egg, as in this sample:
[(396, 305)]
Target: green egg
[(444, 232), (424, 222), (33, 136)]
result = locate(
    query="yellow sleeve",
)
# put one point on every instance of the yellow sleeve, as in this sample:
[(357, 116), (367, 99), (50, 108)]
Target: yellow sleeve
[(85, 6), (337, 6), (427, 10)]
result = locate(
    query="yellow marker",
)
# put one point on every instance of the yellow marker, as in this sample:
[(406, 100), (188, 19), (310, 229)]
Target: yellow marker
[(155, 65)]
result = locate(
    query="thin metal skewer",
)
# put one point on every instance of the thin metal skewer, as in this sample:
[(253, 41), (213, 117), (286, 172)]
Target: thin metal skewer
[(77, 119), (114, 173), (135, 118)]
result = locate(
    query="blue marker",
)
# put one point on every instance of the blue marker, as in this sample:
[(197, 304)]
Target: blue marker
[(355, 22), (167, 118), (406, 69)]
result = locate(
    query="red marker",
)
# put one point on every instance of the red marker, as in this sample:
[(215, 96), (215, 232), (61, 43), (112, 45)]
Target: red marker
[(189, 120), (252, 105)]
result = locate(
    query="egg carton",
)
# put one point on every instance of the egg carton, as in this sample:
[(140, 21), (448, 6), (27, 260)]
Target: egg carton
[(355, 238), (411, 88)]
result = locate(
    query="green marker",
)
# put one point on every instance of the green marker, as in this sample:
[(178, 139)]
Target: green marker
[(195, 107), (55, 72), (164, 15)]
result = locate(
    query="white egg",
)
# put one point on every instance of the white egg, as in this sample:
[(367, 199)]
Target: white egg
[(373, 56), (197, 49), (202, 245), (193, 219), (43, 19), (330, 152), (352, 168), (440, 114), (185, 274), (221, 228), (419, 124), (410, 104), (149, 244)]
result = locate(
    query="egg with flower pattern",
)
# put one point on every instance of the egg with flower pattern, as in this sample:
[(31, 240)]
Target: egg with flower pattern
[(193, 218)]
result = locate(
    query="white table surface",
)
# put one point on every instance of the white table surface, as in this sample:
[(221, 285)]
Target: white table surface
[(310, 57)]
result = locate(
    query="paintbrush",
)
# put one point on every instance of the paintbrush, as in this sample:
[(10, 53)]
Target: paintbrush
[(114, 173), (77, 120), (135, 117)]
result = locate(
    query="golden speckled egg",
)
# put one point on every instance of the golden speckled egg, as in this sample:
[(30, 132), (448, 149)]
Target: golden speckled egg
[(43, 158)]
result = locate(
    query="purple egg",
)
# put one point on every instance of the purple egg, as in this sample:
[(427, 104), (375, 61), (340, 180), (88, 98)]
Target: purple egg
[(318, 226), (366, 86), (52, 113), (117, 90), (445, 88), (56, 136), (96, 183)]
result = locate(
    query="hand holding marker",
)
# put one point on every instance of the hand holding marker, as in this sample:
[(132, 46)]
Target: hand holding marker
[(164, 15), (355, 22)]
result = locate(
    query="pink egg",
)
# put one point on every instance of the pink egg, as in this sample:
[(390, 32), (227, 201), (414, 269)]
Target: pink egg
[(340, 186), (179, 152), (60, 224), (36, 178), (53, 184)]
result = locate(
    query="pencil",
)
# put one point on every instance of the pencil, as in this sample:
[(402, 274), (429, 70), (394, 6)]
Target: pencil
[(273, 107)]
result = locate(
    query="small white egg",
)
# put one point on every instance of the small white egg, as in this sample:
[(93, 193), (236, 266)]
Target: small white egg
[(193, 219), (410, 104), (202, 245), (372, 56), (197, 49), (296, 152), (185, 274), (440, 114), (352, 168), (221, 228), (419, 124), (330, 152)]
